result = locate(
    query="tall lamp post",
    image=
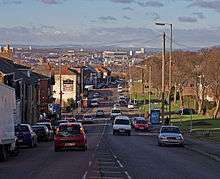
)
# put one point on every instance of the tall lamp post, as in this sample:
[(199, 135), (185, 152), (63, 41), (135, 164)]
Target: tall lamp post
[(170, 61)]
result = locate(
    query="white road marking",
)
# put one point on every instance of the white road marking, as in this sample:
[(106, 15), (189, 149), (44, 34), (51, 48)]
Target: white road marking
[(90, 163), (114, 156), (84, 176), (119, 163), (126, 173)]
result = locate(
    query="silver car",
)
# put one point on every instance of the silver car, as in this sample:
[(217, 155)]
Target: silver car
[(170, 135)]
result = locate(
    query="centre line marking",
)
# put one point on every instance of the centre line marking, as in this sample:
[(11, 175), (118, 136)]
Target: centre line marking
[(84, 176), (120, 164), (126, 173)]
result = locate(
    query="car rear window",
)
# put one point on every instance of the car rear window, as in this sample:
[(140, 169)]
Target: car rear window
[(170, 130), (66, 130), (22, 129), (116, 111), (141, 122), (122, 122)]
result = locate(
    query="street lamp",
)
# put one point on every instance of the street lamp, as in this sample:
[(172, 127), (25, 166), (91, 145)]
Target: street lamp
[(170, 61)]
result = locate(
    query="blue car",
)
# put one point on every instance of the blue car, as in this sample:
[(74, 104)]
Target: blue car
[(25, 135)]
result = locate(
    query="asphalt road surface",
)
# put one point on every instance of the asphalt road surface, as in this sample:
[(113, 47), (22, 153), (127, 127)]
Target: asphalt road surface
[(132, 157)]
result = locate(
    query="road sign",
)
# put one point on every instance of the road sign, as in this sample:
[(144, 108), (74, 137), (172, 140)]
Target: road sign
[(155, 116)]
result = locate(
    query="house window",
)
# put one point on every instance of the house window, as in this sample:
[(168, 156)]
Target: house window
[(68, 85)]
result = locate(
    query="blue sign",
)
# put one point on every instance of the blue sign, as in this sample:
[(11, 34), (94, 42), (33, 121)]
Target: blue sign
[(54, 108), (155, 116)]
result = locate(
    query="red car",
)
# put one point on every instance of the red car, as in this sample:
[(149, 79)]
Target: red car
[(70, 136), (141, 125)]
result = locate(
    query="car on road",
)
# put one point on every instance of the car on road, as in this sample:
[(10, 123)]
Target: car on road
[(88, 119), (170, 135), (100, 113), (25, 135), (70, 136), (116, 105), (50, 128), (115, 112), (142, 125), (122, 124), (130, 106), (42, 132), (134, 119), (94, 102)]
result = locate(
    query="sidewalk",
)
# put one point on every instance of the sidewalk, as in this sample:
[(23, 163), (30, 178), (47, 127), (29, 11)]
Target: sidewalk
[(210, 149)]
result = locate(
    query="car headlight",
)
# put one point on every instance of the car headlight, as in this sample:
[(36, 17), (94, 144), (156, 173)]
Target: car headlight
[(162, 137), (179, 138)]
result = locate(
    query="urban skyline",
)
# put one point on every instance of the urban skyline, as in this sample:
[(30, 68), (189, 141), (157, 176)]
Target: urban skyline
[(96, 22)]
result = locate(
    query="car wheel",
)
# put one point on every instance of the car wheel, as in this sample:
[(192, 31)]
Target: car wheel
[(129, 133), (159, 144), (56, 149), (114, 133), (181, 145), (3, 153), (84, 148)]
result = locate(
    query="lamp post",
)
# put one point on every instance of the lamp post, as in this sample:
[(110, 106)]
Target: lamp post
[(170, 61), (61, 93)]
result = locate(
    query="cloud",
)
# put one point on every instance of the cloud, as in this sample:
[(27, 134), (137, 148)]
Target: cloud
[(10, 2), (214, 5), (107, 18), (155, 16), (126, 17), (187, 19), (128, 8), (199, 15), (50, 2), (150, 4), (123, 1)]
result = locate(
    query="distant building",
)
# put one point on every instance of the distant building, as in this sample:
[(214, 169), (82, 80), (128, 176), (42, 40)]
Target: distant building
[(115, 56), (142, 51), (6, 52), (70, 81)]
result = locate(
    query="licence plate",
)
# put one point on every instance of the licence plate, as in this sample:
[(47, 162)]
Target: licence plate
[(20, 140), (141, 127), (70, 144), (121, 130)]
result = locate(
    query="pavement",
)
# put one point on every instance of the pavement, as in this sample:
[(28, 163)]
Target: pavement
[(208, 148)]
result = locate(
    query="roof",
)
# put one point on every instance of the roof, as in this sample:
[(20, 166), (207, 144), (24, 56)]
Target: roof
[(66, 71)]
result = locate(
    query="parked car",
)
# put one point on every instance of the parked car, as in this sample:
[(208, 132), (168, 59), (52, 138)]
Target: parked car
[(42, 132), (100, 113), (49, 126), (25, 135), (142, 125), (170, 135), (122, 124), (187, 111), (116, 105), (69, 136)]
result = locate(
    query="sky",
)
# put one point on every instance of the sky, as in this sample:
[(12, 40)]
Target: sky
[(128, 23)]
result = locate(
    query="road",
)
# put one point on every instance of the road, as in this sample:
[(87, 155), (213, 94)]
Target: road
[(133, 157)]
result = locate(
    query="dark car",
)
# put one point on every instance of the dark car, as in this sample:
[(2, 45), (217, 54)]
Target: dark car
[(25, 135), (187, 111), (50, 128), (70, 136), (42, 132), (100, 113)]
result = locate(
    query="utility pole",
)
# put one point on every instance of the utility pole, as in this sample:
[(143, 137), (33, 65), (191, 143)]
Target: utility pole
[(163, 74), (170, 68), (142, 79), (61, 93), (149, 98)]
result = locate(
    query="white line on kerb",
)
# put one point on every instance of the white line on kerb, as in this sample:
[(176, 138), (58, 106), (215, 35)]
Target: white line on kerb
[(84, 176), (119, 163), (126, 173)]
